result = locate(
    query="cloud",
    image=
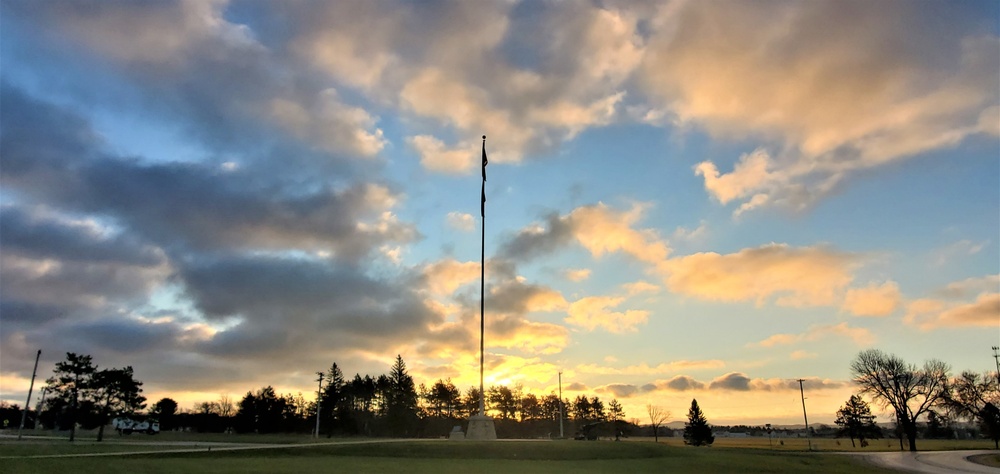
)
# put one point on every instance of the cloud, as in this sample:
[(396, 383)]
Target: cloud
[(682, 383), (930, 314), (577, 274), (967, 303), (618, 390), (445, 276), (329, 122), (873, 300), (594, 312), (436, 156), (804, 276), (907, 92), (731, 381), (576, 387), (453, 64), (461, 221), (800, 355), (598, 228), (527, 336), (640, 287), (970, 287), (209, 208), (860, 336), (691, 235), (646, 369), (956, 250)]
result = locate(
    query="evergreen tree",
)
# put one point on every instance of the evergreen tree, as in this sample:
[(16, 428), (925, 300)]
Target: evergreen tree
[(856, 421), (697, 432), (401, 409), (332, 400), (70, 384)]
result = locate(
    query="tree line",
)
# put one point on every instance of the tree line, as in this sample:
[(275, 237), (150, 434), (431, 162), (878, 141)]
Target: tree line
[(80, 394)]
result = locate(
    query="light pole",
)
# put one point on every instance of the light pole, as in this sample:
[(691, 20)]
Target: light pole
[(996, 358), (319, 400), (803, 394), (560, 407)]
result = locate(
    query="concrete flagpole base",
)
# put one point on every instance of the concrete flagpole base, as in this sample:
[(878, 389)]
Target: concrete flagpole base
[(481, 427)]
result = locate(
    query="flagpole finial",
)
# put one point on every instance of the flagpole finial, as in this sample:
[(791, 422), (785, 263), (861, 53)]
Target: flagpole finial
[(484, 137)]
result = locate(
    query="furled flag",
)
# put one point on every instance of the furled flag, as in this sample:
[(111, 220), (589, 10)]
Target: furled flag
[(482, 207)]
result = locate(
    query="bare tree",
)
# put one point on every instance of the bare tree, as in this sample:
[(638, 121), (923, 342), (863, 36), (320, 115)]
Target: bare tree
[(910, 391), (657, 416), (226, 406)]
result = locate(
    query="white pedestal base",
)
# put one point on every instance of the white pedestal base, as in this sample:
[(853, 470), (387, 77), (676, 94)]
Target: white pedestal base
[(481, 428)]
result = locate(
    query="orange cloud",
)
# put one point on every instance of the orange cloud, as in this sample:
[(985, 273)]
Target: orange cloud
[(595, 312), (929, 314), (785, 82), (873, 300), (577, 274), (860, 336), (805, 276), (446, 276), (646, 369)]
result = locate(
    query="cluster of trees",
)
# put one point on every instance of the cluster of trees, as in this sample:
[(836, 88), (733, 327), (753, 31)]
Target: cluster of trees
[(79, 392), (390, 404), (913, 392)]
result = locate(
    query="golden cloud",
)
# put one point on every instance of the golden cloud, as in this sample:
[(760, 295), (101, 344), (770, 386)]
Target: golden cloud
[(772, 71), (595, 312), (930, 314), (873, 300), (805, 276), (860, 336), (646, 369)]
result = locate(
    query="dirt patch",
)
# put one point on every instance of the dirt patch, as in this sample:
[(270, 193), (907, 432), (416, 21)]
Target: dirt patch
[(991, 460)]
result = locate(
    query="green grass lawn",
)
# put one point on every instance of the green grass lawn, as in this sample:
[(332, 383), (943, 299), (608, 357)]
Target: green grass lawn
[(445, 456)]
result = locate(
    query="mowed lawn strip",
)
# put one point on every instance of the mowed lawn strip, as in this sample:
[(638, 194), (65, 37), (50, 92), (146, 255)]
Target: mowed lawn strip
[(444, 457)]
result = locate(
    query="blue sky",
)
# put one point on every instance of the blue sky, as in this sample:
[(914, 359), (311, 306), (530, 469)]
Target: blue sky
[(685, 199)]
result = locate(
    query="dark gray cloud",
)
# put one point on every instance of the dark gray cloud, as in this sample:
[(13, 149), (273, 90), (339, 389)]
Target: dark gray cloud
[(682, 383), (531, 243), (36, 235), (619, 390), (731, 381), (193, 205)]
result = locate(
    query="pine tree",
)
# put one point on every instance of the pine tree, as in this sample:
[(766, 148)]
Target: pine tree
[(697, 432), (70, 385), (856, 421)]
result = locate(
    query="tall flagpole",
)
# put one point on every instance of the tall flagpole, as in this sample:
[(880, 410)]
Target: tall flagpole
[(482, 292)]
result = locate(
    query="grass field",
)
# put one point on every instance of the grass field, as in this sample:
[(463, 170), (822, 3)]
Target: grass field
[(436, 457), (297, 453)]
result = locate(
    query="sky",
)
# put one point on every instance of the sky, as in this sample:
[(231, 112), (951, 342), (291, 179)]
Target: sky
[(704, 200)]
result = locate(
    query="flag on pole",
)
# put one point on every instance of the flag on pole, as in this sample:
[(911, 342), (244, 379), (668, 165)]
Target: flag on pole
[(482, 207)]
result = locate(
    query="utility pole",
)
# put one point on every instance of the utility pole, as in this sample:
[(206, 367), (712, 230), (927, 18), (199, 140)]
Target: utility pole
[(803, 394), (319, 400), (996, 358), (560, 407), (27, 403)]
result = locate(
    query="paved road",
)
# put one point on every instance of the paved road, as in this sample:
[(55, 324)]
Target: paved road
[(930, 462)]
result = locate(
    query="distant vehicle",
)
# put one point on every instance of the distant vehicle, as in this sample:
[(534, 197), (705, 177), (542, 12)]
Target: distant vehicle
[(588, 432), (126, 425)]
